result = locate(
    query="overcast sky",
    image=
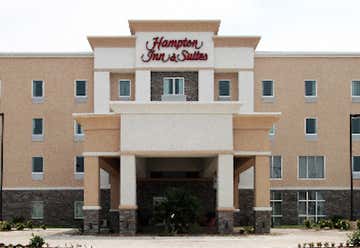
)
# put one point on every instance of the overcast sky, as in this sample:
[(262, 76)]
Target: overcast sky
[(285, 25)]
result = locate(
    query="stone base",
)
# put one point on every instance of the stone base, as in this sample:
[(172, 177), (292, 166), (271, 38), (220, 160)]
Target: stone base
[(114, 221), (262, 221), (225, 222), (127, 221), (91, 221)]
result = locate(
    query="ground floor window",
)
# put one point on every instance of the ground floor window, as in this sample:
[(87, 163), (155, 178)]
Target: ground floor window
[(37, 211), (311, 206), (276, 204), (78, 210)]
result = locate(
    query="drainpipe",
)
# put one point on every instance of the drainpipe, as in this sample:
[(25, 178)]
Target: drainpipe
[(2, 166), (351, 170)]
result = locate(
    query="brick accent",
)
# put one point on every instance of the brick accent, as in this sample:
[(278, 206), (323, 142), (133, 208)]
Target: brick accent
[(191, 84), (91, 221), (114, 221), (127, 221), (225, 222), (245, 217), (262, 221)]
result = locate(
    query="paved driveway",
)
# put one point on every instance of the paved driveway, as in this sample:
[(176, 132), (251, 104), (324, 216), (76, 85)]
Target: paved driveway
[(277, 239)]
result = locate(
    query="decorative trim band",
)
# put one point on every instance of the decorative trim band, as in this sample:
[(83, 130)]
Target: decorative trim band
[(262, 208), (103, 154), (43, 188), (91, 207), (252, 153)]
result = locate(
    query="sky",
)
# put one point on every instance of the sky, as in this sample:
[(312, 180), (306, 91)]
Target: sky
[(284, 25)]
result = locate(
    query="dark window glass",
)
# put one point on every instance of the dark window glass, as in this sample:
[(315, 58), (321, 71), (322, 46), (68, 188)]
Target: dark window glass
[(310, 126), (355, 88), (124, 88), (80, 88), (37, 126), (355, 125), (224, 88), (267, 88), (80, 164), (37, 88), (37, 164), (310, 88)]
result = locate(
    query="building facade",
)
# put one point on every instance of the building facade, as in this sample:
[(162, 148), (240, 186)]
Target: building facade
[(259, 137)]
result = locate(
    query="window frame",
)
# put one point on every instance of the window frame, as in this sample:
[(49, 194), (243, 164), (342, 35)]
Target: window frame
[(32, 165), (273, 89), (230, 89), (351, 89), (307, 171), (37, 137), (86, 89), (316, 126), (37, 99), (307, 200), (32, 207), (272, 134), (78, 217), (75, 162), (119, 92), (273, 216), (281, 166), (173, 83), (356, 174), (316, 88), (355, 136), (78, 136)]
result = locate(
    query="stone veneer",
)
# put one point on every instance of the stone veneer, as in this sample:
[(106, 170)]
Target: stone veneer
[(127, 221), (191, 84), (225, 222), (91, 221), (245, 217), (114, 220), (262, 221)]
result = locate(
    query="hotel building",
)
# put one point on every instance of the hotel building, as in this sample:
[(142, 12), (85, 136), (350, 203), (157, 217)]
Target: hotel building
[(259, 137)]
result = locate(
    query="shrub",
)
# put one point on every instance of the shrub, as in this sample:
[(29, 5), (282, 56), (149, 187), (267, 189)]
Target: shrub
[(354, 238), (17, 219), (36, 241), (358, 224), (5, 226), (29, 224), (43, 227), (307, 223), (178, 212), (19, 226), (343, 225), (325, 224)]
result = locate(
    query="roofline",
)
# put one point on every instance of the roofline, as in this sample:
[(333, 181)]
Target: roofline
[(47, 54), (309, 54)]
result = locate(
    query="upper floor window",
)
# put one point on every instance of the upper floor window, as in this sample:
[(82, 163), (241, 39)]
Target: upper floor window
[(268, 88), (37, 90), (355, 88), (311, 167), (310, 126), (310, 88), (356, 166), (79, 164), (78, 131), (37, 169), (355, 125), (224, 88), (80, 88), (37, 129), (275, 167), (124, 88), (173, 86), (272, 130)]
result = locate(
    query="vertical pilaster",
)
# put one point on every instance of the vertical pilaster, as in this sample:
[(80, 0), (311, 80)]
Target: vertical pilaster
[(143, 85), (225, 198), (262, 209), (246, 91), (91, 207), (101, 92), (128, 207), (206, 85)]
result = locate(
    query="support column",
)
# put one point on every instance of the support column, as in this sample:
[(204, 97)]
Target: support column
[(114, 200), (246, 91), (143, 85), (225, 200), (262, 209), (101, 92), (91, 207), (206, 85), (128, 207)]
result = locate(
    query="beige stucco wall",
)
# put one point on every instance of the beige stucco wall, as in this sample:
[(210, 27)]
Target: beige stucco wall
[(58, 147), (332, 109), (234, 86), (114, 85)]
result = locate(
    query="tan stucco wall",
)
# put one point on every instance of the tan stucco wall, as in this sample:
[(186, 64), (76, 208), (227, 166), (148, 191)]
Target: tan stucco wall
[(261, 182), (332, 109), (234, 86), (114, 85), (92, 181), (58, 147)]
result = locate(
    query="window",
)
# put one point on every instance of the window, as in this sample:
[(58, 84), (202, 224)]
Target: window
[(78, 210), (275, 167), (268, 88), (310, 88), (272, 130), (355, 88), (78, 132), (311, 167), (81, 88), (79, 164), (37, 211), (355, 126), (310, 126), (37, 89), (173, 86), (37, 126), (311, 206), (37, 165), (356, 166), (124, 88), (276, 205), (224, 88)]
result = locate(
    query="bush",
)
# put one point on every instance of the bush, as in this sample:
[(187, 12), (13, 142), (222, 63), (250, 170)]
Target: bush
[(358, 224), (178, 213), (342, 225), (19, 226), (18, 219), (307, 223), (5, 226), (43, 227), (36, 241), (325, 224), (354, 238), (29, 224)]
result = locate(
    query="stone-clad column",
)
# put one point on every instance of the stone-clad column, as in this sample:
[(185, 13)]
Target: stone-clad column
[(128, 207), (262, 209), (91, 207), (225, 197)]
